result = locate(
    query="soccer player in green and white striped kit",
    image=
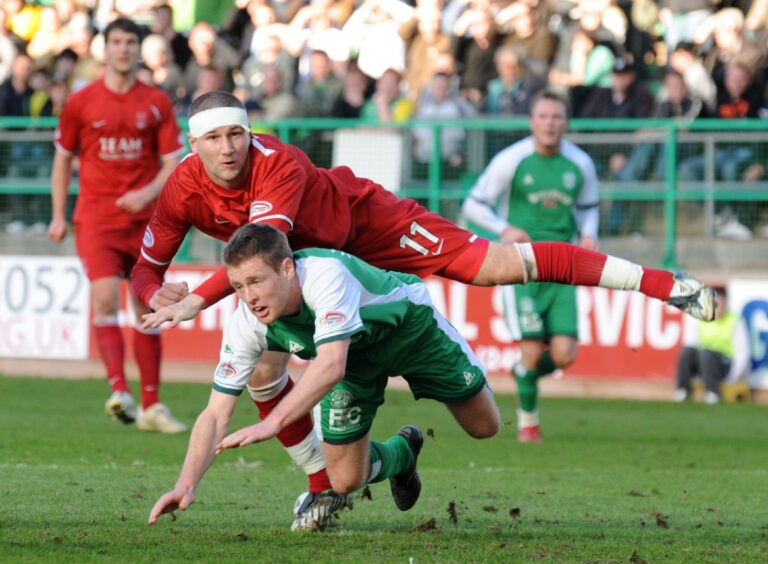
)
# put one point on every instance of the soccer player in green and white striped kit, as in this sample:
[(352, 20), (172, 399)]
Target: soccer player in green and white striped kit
[(359, 325), (542, 188)]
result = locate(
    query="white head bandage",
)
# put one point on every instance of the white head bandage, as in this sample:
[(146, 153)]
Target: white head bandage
[(208, 120)]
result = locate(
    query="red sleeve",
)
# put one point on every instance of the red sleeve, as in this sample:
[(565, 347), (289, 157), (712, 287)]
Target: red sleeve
[(214, 288), (67, 133), (164, 234), (279, 181), (169, 137)]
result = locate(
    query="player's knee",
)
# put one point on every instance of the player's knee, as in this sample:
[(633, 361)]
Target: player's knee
[(345, 482), (484, 429), (563, 358)]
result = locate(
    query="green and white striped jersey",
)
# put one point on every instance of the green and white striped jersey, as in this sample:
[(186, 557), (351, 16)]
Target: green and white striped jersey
[(553, 198), (342, 297)]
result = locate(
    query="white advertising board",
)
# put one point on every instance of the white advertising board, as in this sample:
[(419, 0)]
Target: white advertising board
[(44, 307)]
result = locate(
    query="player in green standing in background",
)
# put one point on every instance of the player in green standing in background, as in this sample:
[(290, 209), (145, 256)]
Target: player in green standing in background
[(542, 188)]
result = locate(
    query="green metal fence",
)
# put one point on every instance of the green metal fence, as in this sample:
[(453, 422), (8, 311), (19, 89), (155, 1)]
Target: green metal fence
[(672, 193)]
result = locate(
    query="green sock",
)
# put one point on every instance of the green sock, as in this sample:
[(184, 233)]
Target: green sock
[(389, 458), (528, 382)]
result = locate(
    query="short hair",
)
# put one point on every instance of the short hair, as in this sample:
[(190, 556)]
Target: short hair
[(257, 240), (546, 94), (215, 99), (123, 24)]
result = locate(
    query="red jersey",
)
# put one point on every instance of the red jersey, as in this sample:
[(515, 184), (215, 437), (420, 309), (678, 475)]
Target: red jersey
[(315, 207), (120, 139)]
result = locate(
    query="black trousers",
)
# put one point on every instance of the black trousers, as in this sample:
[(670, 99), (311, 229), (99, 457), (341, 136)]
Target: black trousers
[(712, 366)]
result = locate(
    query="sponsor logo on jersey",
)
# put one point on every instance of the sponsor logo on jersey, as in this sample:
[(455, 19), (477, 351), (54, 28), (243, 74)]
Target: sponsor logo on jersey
[(228, 349), (260, 208), (226, 370), (114, 148), (220, 221), (569, 180), (341, 399), (149, 239), (99, 124), (141, 120), (332, 318), (468, 377), (295, 347), (550, 198)]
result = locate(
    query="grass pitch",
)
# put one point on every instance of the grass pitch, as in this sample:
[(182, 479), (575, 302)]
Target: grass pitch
[(614, 481)]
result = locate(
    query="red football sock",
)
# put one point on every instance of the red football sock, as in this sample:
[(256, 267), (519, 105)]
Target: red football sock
[(657, 283), (147, 350), (109, 340), (568, 264), (295, 433)]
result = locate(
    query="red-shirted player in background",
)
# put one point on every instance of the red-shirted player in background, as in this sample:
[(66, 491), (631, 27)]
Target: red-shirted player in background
[(234, 177), (128, 142)]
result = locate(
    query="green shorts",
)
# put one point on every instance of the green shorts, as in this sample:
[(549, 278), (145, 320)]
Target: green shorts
[(540, 310), (426, 350)]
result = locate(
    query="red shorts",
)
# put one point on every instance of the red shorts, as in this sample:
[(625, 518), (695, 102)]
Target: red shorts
[(106, 250), (401, 235)]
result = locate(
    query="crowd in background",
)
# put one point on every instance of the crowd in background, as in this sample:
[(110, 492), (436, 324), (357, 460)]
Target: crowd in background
[(390, 60)]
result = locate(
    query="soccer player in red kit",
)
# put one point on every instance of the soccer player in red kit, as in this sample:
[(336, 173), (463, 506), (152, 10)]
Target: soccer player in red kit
[(234, 177), (126, 137)]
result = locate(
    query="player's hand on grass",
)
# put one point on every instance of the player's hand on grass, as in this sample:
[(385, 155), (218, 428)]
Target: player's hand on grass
[(177, 498), (514, 235), (257, 433), (57, 230), (169, 293), (135, 200)]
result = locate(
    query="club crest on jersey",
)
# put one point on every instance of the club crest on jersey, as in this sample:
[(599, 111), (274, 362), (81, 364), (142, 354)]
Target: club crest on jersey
[(149, 239), (332, 318), (569, 180), (259, 208), (341, 398), (141, 120), (226, 370), (528, 180)]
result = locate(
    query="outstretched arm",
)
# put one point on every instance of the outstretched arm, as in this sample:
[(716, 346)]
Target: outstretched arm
[(322, 374), (210, 427)]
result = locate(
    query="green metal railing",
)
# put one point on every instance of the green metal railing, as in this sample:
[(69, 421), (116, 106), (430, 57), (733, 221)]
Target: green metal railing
[(435, 189)]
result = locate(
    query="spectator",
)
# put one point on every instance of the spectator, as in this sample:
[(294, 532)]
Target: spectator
[(511, 93), (353, 95), (23, 18), (372, 33), (319, 94), (163, 72), (590, 64), (474, 56), (88, 67), (682, 19), (209, 51), (525, 29), (425, 43), (163, 25), (388, 103), (740, 98), (698, 81), (627, 97), (268, 52), (8, 49), (708, 353), (440, 103), (727, 29), (48, 39), (274, 101)]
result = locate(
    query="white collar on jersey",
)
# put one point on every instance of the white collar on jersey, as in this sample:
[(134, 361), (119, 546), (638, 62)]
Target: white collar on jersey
[(208, 120)]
